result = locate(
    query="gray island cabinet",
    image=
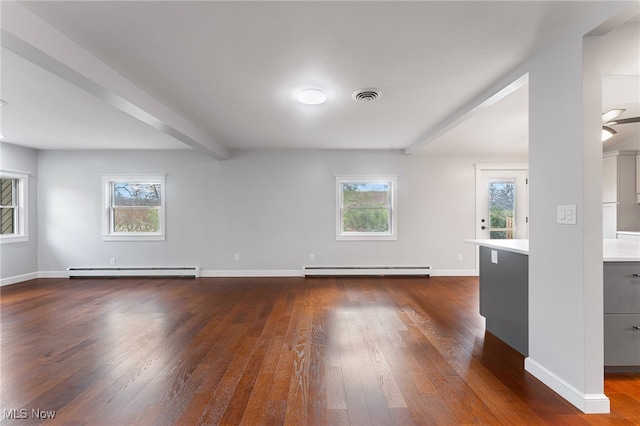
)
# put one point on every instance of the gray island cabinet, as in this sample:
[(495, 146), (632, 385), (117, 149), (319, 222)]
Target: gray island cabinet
[(504, 287), (622, 314), (504, 296)]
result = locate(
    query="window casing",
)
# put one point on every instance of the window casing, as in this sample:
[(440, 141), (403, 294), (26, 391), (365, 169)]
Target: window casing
[(366, 208), (133, 208), (14, 214)]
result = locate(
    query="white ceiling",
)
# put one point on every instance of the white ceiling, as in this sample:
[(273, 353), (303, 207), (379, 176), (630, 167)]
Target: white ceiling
[(232, 71)]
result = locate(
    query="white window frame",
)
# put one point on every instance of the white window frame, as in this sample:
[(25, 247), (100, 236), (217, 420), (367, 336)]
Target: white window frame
[(390, 235), (21, 206), (107, 213)]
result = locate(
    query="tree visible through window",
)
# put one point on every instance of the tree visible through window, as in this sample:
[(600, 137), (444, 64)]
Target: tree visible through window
[(365, 207), (134, 208), (502, 208)]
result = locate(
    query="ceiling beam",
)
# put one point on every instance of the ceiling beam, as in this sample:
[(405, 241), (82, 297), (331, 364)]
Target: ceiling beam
[(592, 24), (486, 99), (37, 42)]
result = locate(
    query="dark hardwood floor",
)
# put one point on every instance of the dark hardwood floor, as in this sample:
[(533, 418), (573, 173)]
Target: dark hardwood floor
[(295, 351)]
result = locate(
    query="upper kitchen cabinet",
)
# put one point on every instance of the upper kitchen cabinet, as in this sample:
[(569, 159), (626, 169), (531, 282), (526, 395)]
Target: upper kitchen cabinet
[(621, 211)]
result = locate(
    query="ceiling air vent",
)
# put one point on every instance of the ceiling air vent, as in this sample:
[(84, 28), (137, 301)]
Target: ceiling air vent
[(367, 95)]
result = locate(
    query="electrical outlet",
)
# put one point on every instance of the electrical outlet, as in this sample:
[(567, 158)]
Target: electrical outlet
[(459, 257), (312, 258), (237, 256), (113, 261)]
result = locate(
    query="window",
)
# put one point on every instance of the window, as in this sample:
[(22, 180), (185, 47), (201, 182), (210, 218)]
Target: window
[(14, 188), (502, 208), (133, 208), (365, 208)]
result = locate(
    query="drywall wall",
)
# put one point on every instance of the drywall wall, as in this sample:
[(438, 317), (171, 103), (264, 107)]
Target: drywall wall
[(556, 273), (616, 63), (18, 261), (273, 208), (632, 143), (565, 261)]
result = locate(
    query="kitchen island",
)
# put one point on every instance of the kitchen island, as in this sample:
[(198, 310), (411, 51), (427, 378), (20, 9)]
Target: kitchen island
[(504, 302)]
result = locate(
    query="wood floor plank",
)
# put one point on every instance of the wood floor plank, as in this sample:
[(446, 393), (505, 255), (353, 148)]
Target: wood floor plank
[(353, 386), (336, 398), (298, 396), (317, 387), (274, 351)]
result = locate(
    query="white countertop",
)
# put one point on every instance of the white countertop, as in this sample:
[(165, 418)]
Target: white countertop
[(632, 233), (515, 246), (621, 250), (613, 250)]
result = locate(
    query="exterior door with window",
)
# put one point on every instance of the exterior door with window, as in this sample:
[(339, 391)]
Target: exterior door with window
[(501, 204)]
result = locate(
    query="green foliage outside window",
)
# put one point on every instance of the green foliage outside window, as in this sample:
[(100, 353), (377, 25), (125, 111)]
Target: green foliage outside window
[(365, 207), (502, 209), (136, 220)]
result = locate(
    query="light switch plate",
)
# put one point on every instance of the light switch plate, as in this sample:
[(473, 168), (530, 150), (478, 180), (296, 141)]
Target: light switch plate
[(567, 214)]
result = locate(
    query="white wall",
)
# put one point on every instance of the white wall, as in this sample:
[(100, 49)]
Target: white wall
[(556, 251), (616, 61), (19, 260), (632, 143), (274, 208), (565, 261)]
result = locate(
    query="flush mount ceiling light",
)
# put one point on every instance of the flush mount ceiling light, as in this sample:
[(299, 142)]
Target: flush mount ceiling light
[(312, 97), (366, 95)]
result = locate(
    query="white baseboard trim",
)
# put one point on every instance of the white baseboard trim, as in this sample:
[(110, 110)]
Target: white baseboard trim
[(212, 273), (18, 279), (53, 274), (454, 273), (587, 403)]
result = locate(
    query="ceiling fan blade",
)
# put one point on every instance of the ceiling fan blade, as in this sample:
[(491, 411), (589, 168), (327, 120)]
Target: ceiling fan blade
[(625, 121), (611, 115)]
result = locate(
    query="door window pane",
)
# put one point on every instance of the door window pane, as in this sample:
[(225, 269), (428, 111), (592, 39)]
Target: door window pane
[(502, 209)]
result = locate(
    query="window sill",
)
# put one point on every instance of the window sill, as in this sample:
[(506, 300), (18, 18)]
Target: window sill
[(364, 237), (133, 238), (10, 239)]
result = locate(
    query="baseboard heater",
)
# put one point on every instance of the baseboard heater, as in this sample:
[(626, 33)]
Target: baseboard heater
[(153, 271), (337, 271)]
